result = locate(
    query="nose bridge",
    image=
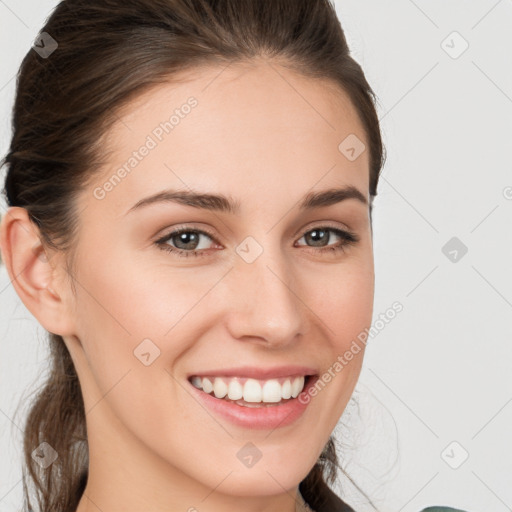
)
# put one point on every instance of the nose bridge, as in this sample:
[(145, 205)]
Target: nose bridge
[(265, 302)]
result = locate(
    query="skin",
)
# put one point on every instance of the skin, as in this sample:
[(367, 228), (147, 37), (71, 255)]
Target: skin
[(265, 136)]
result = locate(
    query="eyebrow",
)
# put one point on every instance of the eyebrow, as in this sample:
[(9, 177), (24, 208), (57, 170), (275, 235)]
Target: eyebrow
[(225, 204)]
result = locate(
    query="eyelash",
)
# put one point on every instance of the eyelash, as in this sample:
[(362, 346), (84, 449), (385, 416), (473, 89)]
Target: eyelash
[(348, 238)]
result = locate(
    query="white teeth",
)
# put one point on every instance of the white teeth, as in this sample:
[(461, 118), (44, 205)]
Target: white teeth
[(252, 391), (220, 388), (286, 389), (197, 382), (269, 391), (207, 385), (297, 386), (235, 390)]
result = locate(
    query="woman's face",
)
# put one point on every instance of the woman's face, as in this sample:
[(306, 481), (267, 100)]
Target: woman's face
[(258, 285)]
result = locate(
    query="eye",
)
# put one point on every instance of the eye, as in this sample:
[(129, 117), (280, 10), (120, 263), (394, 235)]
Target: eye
[(187, 241), (323, 234)]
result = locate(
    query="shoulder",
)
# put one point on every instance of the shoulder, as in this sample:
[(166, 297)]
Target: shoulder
[(442, 509), (333, 503)]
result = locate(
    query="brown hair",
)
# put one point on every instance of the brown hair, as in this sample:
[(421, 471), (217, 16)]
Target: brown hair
[(110, 51)]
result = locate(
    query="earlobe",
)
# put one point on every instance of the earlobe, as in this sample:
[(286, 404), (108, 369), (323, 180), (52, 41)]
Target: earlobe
[(33, 275)]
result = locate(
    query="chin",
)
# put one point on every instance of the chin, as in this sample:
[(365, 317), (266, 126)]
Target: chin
[(264, 482)]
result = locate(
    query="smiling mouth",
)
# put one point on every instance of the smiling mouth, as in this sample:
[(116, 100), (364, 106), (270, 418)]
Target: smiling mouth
[(249, 392)]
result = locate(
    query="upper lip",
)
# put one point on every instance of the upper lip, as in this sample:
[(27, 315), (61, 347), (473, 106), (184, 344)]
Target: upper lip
[(257, 373)]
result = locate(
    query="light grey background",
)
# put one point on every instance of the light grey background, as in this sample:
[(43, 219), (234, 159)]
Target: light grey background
[(439, 372)]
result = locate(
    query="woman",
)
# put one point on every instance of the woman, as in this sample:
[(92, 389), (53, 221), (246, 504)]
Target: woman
[(190, 187)]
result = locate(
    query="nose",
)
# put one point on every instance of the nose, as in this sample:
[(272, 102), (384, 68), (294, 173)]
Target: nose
[(264, 302)]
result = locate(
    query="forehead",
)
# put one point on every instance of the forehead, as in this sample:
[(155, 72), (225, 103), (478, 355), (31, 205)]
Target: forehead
[(245, 127)]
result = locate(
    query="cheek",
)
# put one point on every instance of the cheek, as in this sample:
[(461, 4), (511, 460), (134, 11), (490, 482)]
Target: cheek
[(127, 299), (131, 329), (126, 317), (346, 309), (343, 300)]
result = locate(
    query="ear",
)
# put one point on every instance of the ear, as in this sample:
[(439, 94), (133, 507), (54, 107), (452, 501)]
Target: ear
[(38, 275)]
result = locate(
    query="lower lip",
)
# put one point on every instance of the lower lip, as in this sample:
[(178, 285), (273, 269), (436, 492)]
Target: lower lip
[(271, 417)]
